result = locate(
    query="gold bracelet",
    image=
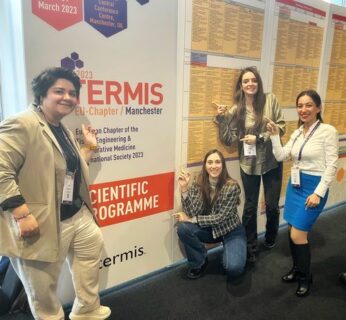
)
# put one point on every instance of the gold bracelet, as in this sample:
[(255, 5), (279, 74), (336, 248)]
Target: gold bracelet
[(22, 217), (91, 146)]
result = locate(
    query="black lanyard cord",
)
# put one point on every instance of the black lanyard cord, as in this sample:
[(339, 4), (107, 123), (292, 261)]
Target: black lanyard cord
[(306, 139)]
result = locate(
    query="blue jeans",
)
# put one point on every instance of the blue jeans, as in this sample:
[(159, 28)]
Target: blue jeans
[(194, 237)]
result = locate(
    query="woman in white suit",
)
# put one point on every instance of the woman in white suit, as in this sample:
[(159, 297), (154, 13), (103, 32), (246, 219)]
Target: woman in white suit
[(46, 214)]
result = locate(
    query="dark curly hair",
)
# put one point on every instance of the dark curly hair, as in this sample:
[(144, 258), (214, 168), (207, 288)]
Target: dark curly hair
[(42, 82)]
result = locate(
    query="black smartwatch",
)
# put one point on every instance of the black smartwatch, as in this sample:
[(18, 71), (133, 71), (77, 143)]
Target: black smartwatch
[(260, 138)]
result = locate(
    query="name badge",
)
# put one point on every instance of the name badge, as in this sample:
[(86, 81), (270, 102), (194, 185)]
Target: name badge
[(67, 194), (249, 150), (295, 176)]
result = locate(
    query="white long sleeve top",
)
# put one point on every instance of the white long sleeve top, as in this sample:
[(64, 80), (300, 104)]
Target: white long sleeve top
[(319, 155)]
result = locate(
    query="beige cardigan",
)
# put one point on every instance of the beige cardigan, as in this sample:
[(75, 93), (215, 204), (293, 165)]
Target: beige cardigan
[(32, 164)]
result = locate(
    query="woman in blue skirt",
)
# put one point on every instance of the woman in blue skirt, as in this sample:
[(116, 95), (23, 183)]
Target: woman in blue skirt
[(313, 148)]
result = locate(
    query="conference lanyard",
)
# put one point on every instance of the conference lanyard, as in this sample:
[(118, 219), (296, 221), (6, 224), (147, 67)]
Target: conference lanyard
[(306, 139), (295, 170)]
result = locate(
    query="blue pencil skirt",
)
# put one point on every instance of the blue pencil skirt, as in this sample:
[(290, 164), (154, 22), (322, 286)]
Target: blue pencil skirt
[(295, 212)]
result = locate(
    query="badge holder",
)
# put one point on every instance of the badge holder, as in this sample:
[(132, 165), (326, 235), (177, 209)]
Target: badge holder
[(249, 150), (67, 194), (295, 176)]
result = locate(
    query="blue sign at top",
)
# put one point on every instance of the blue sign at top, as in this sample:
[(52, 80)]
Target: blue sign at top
[(106, 16), (142, 2)]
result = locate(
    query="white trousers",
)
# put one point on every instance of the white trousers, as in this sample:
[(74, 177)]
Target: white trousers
[(81, 243)]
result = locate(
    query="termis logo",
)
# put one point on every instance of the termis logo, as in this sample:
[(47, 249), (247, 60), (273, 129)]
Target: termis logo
[(122, 257)]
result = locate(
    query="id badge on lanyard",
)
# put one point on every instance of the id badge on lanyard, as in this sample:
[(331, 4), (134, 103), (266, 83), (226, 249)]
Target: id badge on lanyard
[(249, 150), (295, 176), (295, 170), (67, 194)]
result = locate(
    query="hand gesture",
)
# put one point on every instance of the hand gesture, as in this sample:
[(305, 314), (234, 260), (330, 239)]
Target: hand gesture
[(249, 139), (28, 226), (183, 180), (220, 108), (313, 200), (272, 128), (89, 135), (26, 222), (181, 217)]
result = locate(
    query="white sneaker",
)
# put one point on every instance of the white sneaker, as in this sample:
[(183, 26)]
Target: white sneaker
[(101, 313)]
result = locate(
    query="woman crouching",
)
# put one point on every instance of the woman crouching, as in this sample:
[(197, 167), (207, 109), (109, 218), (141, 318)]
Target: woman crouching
[(210, 215)]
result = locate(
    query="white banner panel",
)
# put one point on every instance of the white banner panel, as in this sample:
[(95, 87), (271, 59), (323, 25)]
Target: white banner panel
[(125, 54)]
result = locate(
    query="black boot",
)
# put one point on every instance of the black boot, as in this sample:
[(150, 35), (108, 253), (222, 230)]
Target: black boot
[(303, 269), (342, 277), (292, 275), (304, 282)]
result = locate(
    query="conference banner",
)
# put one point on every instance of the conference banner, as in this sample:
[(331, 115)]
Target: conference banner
[(125, 54)]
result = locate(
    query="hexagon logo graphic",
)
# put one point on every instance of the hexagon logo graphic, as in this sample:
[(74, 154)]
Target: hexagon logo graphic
[(106, 16), (72, 62), (60, 14)]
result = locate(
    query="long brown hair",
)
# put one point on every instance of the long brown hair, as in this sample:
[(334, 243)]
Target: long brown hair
[(316, 99), (203, 179), (258, 103)]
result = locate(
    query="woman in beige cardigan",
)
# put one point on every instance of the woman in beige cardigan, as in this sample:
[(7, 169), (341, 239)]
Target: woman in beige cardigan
[(46, 212)]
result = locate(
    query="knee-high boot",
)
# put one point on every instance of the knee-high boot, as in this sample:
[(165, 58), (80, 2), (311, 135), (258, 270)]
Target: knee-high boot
[(303, 269), (292, 275)]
